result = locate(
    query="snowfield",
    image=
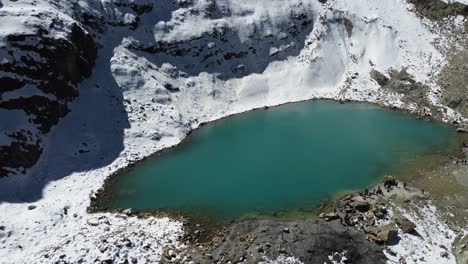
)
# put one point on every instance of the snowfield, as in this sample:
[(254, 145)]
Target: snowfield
[(185, 63), (434, 240)]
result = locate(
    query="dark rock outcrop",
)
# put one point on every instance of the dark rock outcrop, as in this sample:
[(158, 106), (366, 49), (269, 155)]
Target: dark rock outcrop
[(43, 62), (437, 9), (381, 79), (52, 61), (312, 241), (19, 154), (139, 8), (222, 50)]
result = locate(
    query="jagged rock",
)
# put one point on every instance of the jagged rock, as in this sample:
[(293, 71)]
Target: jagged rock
[(381, 79), (52, 60), (436, 10), (379, 211), (329, 216), (360, 204), (387, 234), (405, 224)]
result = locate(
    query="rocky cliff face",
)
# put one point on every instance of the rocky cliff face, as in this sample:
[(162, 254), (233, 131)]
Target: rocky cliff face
[(46, 49), (44, 55)]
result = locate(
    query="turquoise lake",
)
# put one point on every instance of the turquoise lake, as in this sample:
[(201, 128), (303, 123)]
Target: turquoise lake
[(284, 159)]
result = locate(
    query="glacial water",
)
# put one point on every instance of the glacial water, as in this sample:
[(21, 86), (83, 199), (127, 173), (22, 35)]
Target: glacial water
[(283, 159)]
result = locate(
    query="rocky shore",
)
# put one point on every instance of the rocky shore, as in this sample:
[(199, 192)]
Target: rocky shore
[(394, 222), (413, 219)]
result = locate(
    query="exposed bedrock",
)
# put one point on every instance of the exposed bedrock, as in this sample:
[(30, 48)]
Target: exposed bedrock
[(310, 240), (437, 9), (402, 82), (226, 49), (43, 59), (39, 74)]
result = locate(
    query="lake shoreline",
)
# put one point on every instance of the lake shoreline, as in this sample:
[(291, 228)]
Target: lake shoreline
[(207, 232), (105, 192)]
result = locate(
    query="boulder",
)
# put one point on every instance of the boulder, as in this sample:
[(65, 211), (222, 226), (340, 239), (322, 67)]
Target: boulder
[(379, 211), (360, 204), (384, 234), (387, 234), (406, 225), (329, 216)]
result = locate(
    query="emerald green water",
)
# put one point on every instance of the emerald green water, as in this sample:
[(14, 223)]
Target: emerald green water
[(284, 159)]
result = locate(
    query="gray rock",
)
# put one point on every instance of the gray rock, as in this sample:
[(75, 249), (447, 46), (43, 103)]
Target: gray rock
[(360, 204), (381, 79), (406, 225), (387, 234), (329, 216), (314, 241)]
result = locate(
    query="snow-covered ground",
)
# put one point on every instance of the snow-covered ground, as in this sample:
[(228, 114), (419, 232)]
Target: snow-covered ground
[(184, 65), (434, 241)]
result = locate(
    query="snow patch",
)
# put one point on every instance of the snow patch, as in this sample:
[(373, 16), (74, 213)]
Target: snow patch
[(431, 244), (282, 259)]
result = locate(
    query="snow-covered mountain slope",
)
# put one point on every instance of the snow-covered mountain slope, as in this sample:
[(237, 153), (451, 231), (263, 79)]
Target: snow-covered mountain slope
[(44, 53), (88, 87)]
